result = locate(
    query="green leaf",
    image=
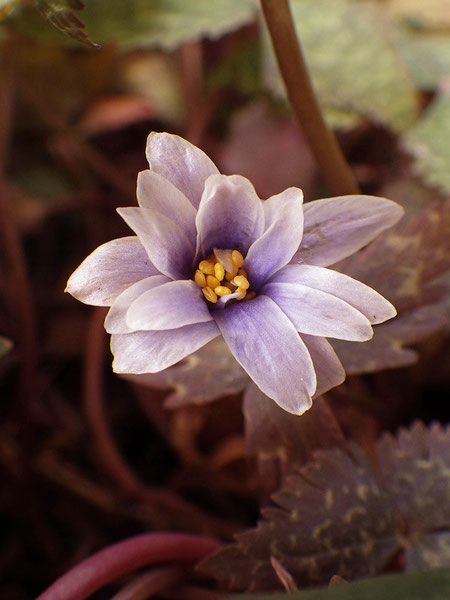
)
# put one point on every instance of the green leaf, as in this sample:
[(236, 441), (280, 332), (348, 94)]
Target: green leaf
[(341, 515), (160, 23), (425, 585), (61, 14), (427, 57), (428, 140), (352, 61)]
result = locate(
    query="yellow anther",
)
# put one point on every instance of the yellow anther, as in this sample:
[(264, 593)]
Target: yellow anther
[(206, 267), (212, 282), (231, 275), (219, 271), (200, 278), (242, 293), (222, 290), (209, 294), (241, 282), (237, 258), (243, 272)]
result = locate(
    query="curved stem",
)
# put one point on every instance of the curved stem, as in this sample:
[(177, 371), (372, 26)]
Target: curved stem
[(150, 583), (12, 243), (109, 454), (301, 94), (124, 557)]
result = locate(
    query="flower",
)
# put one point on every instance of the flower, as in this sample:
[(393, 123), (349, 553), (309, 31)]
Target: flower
[(210, 258)]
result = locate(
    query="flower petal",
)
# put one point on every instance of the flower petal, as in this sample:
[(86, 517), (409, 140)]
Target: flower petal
[(109, 270), (266, 345), (181, 163), (327, 365), (338, 227), (153, 351), (166, 245), (282, 235), (369, 302), (115, 321), (318, 313), (230, 214), (156, 193), (169, 306)]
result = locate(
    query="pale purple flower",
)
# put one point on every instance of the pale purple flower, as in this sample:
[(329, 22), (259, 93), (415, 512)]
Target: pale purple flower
[(275, 315)]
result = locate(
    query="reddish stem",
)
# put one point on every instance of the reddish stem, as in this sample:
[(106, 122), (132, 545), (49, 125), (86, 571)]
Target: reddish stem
[(124, 557), (12, 243), (109, 454)]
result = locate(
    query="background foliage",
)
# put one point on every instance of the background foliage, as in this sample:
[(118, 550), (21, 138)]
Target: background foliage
[(356, 487)]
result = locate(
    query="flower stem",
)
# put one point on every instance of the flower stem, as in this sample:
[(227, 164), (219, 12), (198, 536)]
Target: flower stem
[(320, 138), (126, 556)]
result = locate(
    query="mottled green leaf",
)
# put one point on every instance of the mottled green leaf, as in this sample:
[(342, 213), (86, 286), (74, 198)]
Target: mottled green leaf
[(427, 57), (202, 377), (405, 264), (425, 585), (428, 142), (340, 514), (160, 23), (353, 64)]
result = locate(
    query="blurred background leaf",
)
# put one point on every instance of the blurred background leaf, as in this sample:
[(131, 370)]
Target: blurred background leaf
[(428, 142), (353, 64), (159, 23)]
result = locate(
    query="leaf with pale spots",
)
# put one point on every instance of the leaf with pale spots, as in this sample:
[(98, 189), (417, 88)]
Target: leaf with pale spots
[(204, 376), (280, 441), (339, 514), (407, 265)]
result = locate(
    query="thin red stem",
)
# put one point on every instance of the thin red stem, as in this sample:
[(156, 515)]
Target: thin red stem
[(121, 558)]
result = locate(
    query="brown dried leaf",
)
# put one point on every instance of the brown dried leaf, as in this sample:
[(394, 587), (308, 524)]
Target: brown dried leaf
[(340, 516)]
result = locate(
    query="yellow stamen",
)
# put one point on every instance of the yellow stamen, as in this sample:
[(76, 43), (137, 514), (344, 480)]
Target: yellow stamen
[(230, 275), (212, 281), (209, 294), (237, 258), (219, 271), (222, 290), (241, 282), (199, 278), (206, 267), (242, 293)]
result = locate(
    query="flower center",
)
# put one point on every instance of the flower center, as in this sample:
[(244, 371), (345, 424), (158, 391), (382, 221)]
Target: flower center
[(222, 274)]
